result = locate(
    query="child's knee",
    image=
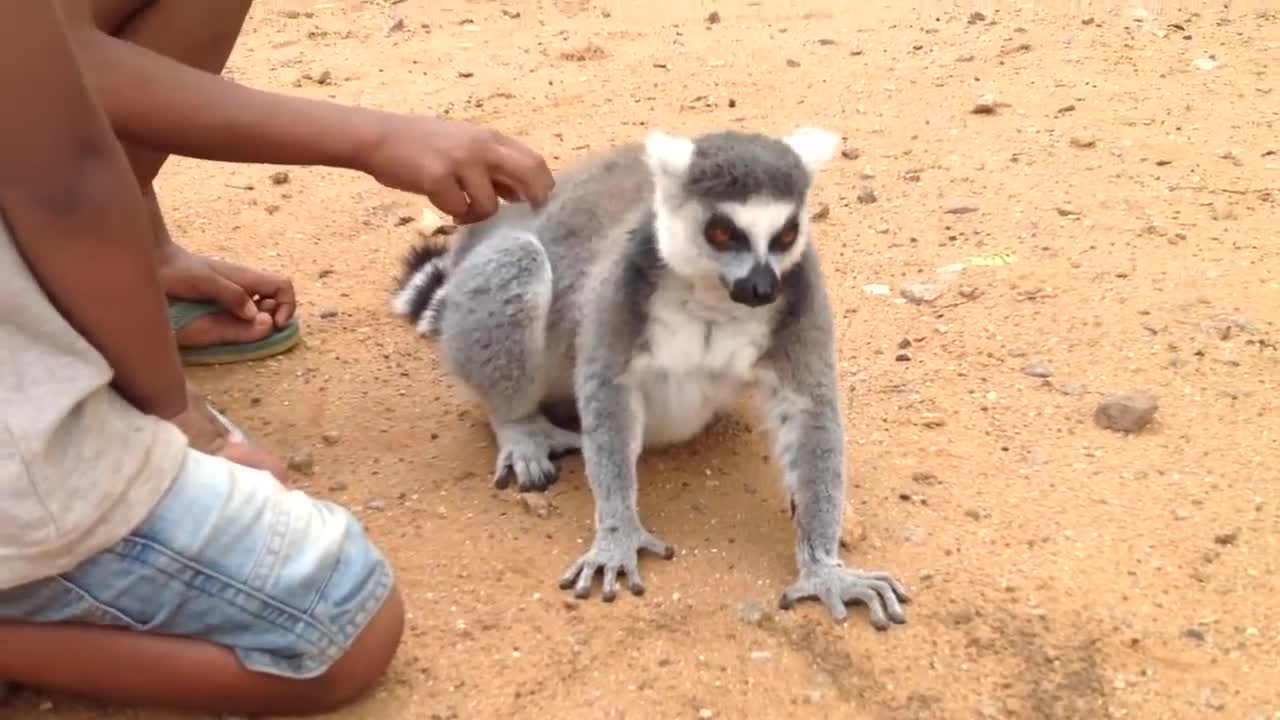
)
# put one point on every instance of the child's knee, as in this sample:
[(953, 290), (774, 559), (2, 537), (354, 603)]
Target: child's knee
[(365, 663)]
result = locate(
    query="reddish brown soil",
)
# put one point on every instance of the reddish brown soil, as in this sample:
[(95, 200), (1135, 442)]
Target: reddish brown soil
[(1059, 570)]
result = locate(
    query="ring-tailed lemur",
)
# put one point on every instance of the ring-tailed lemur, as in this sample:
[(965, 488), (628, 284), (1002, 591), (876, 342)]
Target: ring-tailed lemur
[(658, 282)]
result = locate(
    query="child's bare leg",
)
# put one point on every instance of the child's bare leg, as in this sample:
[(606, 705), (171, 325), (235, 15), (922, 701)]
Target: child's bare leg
[(192, 675), (235, 595), (202, 36)]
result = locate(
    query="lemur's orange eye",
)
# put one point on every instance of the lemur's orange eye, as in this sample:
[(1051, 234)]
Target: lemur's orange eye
[(719, 237), (785, 238)]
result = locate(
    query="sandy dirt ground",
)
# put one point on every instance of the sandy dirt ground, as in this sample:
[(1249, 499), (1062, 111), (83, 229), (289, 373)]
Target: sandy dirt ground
[(1125, 198)]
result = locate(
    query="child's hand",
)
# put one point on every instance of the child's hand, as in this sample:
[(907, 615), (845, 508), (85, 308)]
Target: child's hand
[(462, 168), (206, 433)]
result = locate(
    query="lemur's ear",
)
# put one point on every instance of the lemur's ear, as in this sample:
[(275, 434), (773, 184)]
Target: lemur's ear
[(815, 146), (668, 155)]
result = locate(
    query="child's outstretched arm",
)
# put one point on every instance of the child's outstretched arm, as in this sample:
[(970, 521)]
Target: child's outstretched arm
[(75, 210)]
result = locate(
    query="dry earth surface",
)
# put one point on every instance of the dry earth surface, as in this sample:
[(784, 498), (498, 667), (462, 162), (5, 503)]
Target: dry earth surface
[(1125, 196)]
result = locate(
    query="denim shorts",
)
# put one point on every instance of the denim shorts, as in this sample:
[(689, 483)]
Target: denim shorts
[(232, 557)]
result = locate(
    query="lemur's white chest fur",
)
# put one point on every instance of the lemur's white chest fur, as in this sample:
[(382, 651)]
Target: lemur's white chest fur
[(702, 350)]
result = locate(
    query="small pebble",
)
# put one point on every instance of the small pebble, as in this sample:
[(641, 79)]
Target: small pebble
[(1194, 633), (713, 18), (510, 13), (302, 462), (705, 714), (922, 293), (822, 213), (1036, 457), (280, 177), (1221, 210), (328, 314), (761, 655), (535, 504), (924, 477), (986, 105), (960, 206), (867, 196), (1067, 211), (811, 697), (752, 612), (1227, 538), (1212, 700), (330, 437), (1126, 412), (1205, 64), (903, 356), (1083, 140), (1073, 389), (376, 505), (877, 289), (1038, 369), (850, 153)]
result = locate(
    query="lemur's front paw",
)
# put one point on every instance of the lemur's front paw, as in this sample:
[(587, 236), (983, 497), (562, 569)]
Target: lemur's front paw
[(837, 586), (615, 549)]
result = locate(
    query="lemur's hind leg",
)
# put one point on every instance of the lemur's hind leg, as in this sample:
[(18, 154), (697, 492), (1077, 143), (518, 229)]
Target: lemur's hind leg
[(493, 336)]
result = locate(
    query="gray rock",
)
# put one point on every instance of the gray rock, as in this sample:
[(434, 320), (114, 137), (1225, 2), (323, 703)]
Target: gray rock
[(1038, 369), (1127, 412), (330, 437), (867, 196)]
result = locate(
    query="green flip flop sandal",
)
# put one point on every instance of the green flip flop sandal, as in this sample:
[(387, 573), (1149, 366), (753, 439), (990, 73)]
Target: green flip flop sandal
[(183, 313)]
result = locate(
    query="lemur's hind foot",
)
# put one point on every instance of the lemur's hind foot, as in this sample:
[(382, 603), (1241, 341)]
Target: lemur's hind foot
[(527, 451)]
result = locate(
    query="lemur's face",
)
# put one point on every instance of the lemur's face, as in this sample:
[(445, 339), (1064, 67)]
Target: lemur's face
[(732, 206), (753, 243)]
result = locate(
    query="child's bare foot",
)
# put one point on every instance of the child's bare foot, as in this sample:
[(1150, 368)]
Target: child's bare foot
[(223, 312)]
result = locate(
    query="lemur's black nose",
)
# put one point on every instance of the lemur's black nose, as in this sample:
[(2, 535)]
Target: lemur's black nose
[(759, 287)]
